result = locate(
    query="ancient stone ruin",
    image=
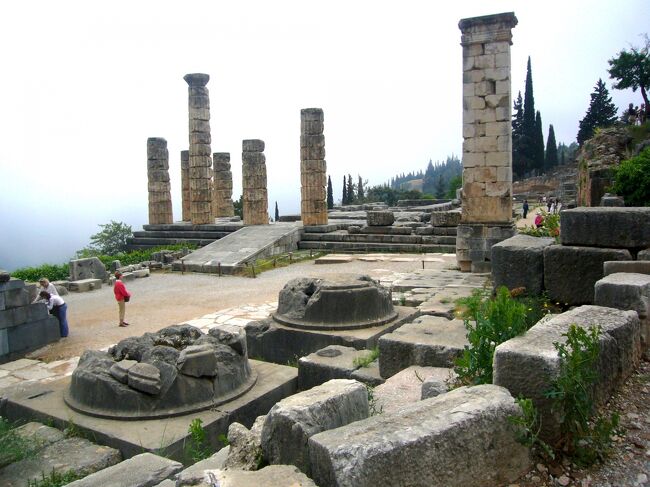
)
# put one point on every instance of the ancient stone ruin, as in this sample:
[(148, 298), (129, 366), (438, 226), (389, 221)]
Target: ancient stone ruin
[(487, 134), (255, 198), (175, 371), (185, 185), (222, 192), (313, 168), (160, 197), (200, 139), (340, 302)]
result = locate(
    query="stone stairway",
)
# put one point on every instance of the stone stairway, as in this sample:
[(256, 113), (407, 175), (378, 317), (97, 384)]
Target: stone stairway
[(342, 241), (180, 233)]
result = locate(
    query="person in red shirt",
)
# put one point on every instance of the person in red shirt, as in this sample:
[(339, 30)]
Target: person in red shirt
[(122, 296)]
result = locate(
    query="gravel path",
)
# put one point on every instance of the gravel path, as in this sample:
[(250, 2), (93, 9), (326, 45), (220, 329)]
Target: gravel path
[(165, 299)]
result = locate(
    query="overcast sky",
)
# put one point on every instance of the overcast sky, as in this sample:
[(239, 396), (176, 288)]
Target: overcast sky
[(85, 83)]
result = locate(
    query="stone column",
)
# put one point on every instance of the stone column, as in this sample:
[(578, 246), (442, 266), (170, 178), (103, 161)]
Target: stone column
[(200, 161), (487, 133), (185, 185), (313, 169), (160, 197), (222, 193), (255, 199)]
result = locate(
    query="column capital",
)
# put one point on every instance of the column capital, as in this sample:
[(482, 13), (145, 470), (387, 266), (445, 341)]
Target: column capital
[(197, 79), (488, 28)]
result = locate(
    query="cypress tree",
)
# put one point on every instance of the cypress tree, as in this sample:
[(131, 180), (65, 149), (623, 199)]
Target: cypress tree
[(539, 143), (518, 168), (551, 150), (277, 212), (528, 146), (601, 113), (350, 190), (360, 190), (330, 194), (344, 198)]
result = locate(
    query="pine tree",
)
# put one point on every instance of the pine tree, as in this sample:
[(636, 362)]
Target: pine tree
[(518, 168), (539, 143), (360, 190), (551, 160), (350, 190), (277, 212), (601, 113), (344, 198), (528, 148), (330, 194)]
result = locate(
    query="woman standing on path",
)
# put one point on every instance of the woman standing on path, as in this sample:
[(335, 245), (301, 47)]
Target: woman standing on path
[(58, 308), (121, 296)]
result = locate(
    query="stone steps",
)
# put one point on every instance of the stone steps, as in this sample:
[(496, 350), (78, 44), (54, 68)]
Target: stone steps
[(375, 247), (379, 238), (180, 233)]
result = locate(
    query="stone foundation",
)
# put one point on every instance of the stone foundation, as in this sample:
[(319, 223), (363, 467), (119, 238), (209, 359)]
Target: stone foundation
[(474, 244)]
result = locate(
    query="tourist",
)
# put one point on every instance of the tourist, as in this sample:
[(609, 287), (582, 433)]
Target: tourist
[(549, 203), (45, 285), (539, 220), (525, 208), (554, 207), (558, 205), (122, 296), (58, 308)]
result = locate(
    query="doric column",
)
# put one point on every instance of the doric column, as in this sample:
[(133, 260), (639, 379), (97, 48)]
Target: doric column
[(222, 193), (487, 133), (160, 197), (255, 199), (200, 161), (185, 185), (313, 169)]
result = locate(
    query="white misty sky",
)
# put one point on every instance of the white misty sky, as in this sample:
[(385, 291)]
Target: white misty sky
[(85, 83)]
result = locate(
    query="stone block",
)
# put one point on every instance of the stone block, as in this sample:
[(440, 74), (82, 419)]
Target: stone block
[(526, 365), (198, 361), (405, 387), (437, 383), (291, 422), (432, 341), (643, 254), (89, 268), (142, 470), (271, 476), (145, 378), (72, 454), (120, 370), (13, 317), (519, 262), (380, 218), (610, 227), (16, 298), (634, 266), (570, 273), (245, 446), (430, 442), (332, 362), (84, 285), (253, 145)]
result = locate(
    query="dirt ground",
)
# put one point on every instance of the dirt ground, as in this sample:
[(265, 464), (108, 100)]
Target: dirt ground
[(165, 299)]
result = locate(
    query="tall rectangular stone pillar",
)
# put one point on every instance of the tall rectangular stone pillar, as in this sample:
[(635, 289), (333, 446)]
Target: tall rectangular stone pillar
[(487, 145), (185, 185), (160, 197), (313, 169), (222, 192), (254, 193), (200, 153)]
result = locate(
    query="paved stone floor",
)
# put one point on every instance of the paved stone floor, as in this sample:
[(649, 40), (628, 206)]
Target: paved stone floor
[(420, 288)]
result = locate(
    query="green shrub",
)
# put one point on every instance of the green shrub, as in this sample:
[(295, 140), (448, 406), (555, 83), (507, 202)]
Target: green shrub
[(585, 436), (55, 479), (51, 271), (13, 447), (550, 227), (366, 360), (489, 322), (632, 179), (528, 427), (197, 447)]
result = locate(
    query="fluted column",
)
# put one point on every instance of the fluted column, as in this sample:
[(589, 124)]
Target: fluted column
[(222, 191), (160, 198), (313, 168), (185, 185), (200, 160), (255, 198)]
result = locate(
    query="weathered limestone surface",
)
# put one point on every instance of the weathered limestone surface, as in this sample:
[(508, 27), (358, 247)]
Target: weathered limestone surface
[(291, 422), (200, 139), (331, 362), (445, 218), (271, 476), (526, 365), (222, 205), (255, 197), (142, 470), (380, 218), (611, 227), (432, 341), (519, 262), (88, 268), (160, 196), (487, 146), (185, 185), (571, 272), (313, 168), (245, 446), (431, 442), (76, 454), (632, 266)]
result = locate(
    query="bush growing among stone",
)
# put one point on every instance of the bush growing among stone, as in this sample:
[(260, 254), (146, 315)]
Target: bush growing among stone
[(632, 179)]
